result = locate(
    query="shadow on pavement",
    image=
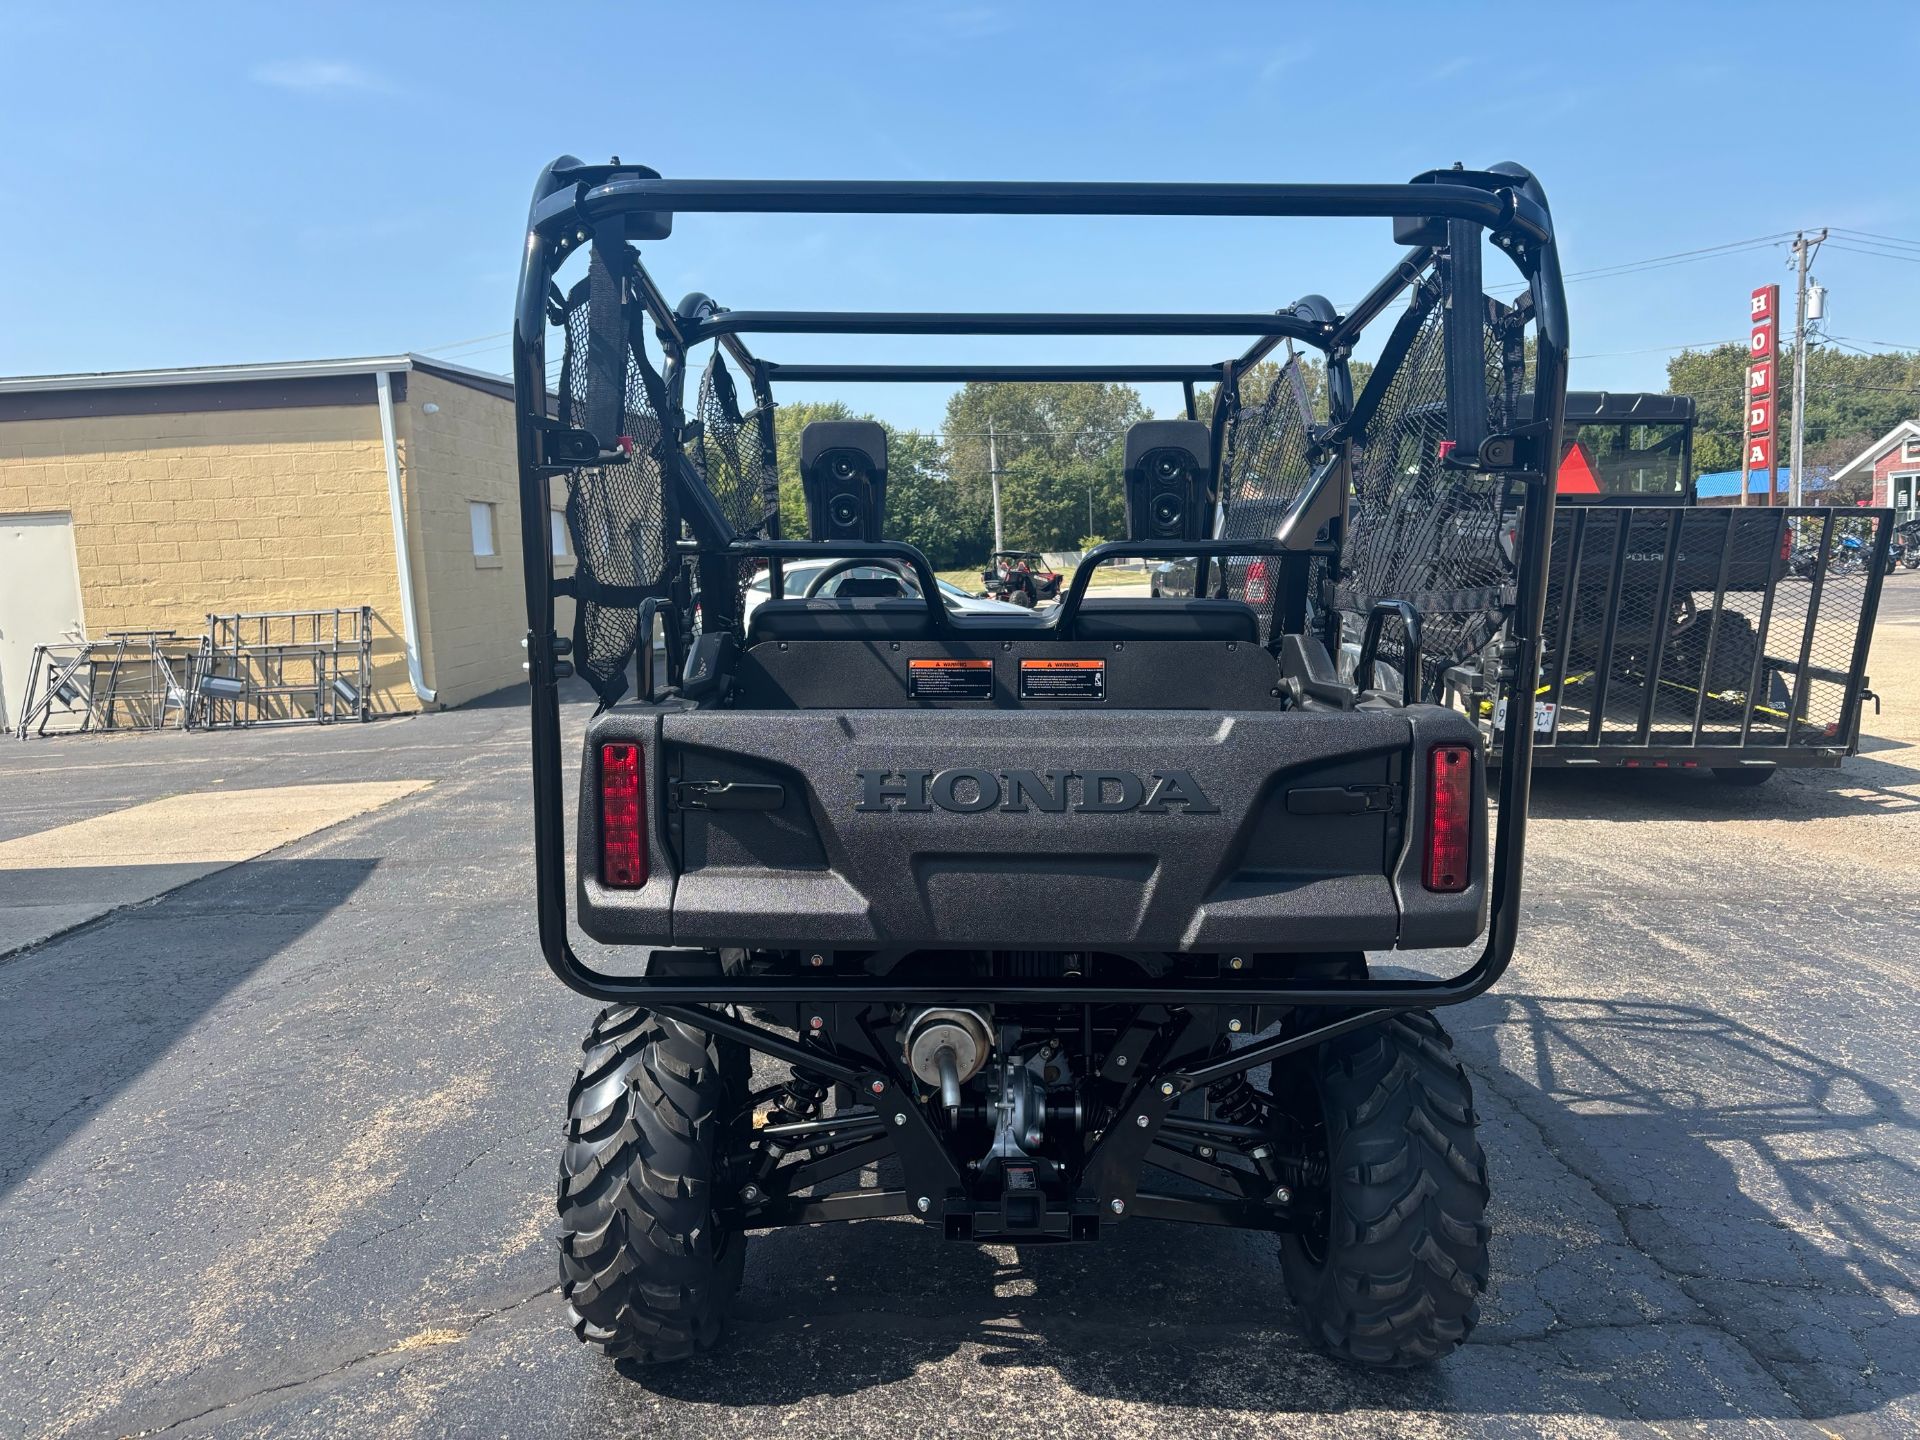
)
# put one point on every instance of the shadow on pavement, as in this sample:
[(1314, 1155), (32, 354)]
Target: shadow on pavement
[(85, 1014), (1708, 1139), (1861, 786), (1779, 1187)]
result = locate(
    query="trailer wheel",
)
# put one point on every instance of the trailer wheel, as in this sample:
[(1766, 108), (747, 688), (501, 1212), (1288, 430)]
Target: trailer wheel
[(1390, 1266), (1744, 777), (1733, 654), (647, 1273)]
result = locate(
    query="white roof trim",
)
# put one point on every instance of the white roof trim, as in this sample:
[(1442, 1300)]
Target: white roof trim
[(430, 362), (1906, 429), (218, 374), (205, 374)]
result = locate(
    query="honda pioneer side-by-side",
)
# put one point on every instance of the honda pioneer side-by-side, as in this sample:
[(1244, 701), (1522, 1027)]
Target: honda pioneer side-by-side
[(1042, 923)]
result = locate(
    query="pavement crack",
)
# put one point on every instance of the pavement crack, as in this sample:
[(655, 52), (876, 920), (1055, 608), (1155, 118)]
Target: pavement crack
[(428, 1200), (1710, 1316), (409, 1347)]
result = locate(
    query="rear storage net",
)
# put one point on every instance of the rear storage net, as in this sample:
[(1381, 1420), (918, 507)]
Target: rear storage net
[(734, 452), (1263, 467), (618, 515), (1420, 530)]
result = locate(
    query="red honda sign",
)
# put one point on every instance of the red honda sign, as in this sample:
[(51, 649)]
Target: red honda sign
[(1763, 348)]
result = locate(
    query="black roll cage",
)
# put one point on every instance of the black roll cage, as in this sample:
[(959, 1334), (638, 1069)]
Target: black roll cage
[(1438, 214)]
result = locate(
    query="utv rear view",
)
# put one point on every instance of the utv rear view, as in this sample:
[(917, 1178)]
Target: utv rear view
[(1040, 923)]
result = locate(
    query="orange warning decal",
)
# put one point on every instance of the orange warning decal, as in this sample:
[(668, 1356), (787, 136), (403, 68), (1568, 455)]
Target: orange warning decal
[(1063, 679), (950, 664)]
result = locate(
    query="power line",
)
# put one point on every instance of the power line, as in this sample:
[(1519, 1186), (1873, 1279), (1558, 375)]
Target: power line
[(1681, 257), (1869, 235), (1655, 350), (1886, 346), (1877, 254), (463, 344)]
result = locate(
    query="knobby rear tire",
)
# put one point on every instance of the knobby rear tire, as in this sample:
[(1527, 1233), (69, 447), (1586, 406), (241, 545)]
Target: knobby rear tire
[(1393, 1273), (648, 1275)]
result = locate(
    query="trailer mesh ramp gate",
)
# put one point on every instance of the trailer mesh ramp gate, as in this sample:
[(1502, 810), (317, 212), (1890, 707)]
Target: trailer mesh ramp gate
[(1695, 636), (285, 667), (132, 680)]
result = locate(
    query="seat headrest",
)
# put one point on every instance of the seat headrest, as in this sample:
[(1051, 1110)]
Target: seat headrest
[(870, 587)]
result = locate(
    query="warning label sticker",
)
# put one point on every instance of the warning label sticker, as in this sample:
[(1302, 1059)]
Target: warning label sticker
[(950, 679), (1063, 679)]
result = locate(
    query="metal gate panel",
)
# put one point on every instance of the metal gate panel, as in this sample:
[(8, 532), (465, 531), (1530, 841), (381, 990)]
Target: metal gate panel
[(1675, 631)]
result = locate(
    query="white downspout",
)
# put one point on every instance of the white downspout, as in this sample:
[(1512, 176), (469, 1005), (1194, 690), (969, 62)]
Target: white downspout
[(383, 382)]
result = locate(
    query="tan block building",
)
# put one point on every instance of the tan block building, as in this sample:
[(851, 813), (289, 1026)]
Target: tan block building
[(147, 500)]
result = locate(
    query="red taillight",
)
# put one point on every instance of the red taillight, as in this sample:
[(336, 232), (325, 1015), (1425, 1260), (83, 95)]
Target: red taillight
[(1449, 818), (1257, 583), (623, 825)]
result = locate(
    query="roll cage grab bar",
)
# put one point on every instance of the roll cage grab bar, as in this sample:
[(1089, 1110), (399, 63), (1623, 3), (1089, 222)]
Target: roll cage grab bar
[(1441, 215)]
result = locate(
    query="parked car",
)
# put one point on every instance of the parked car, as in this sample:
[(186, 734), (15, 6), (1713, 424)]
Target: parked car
[(797, 576), (1249, 577)]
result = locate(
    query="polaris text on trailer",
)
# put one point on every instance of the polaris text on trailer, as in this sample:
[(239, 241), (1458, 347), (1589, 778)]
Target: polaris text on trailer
[(1054, 920)]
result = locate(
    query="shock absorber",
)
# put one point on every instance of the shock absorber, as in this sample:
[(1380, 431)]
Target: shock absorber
[(1235, 1100), (1238, 1103), (1306, 1170), (800, 1098), (802, 1095)]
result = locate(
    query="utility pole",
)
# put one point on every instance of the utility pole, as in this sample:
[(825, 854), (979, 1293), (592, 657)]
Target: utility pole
[(1803, 249), (993, 471)]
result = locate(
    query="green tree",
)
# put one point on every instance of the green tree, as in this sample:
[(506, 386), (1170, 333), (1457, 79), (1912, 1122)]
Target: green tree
[(1056, 444), (922, 506), (926, 509), (1051, 504), (1062, 421), (788, 422), (1255, 383), (1852, 400)]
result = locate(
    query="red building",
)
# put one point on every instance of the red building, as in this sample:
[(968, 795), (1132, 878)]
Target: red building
[(1894, 462)]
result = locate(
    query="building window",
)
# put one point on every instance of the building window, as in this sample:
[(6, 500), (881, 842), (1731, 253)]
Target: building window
[(480, 517), (558, 522), (1910, 450)]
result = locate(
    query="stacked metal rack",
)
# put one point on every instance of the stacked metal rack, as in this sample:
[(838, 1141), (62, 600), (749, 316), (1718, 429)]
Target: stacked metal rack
[(285, 667), (131, 680)]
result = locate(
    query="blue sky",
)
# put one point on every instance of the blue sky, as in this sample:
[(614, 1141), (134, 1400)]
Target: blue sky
[(203, 184)]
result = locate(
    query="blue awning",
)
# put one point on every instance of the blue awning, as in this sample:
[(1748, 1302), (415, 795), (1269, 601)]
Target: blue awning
[(1725, 484)]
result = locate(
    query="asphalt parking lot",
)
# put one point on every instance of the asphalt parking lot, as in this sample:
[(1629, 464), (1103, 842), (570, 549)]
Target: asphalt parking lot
[(277, 1145)]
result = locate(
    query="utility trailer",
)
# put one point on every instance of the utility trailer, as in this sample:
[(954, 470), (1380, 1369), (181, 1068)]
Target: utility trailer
[(1053, 922), (1678, 635)]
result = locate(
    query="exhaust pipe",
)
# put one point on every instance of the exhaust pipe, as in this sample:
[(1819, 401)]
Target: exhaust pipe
[(947, 1048)]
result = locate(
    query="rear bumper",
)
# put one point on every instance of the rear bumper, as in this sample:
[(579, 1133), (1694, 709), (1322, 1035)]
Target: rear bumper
[(1122, 831)]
